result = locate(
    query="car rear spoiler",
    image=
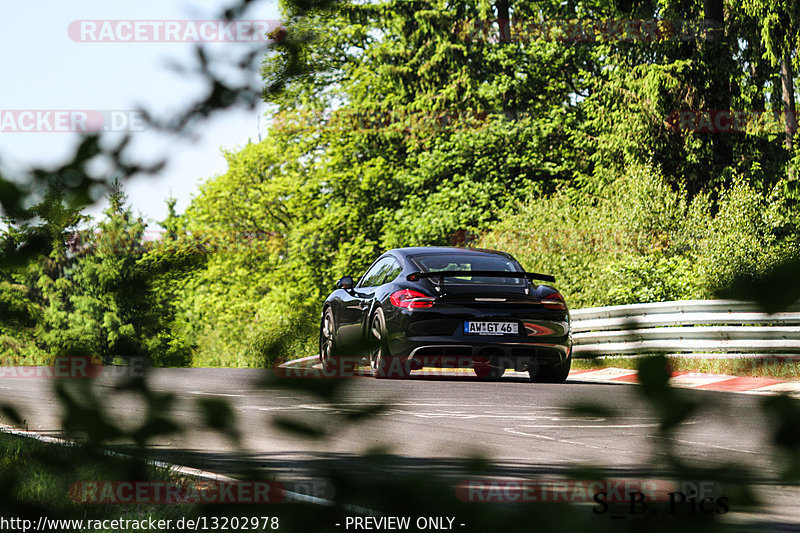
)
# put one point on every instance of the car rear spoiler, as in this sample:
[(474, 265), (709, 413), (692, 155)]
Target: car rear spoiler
[(416, 276)]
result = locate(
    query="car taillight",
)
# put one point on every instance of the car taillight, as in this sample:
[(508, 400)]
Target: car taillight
[(411, 299), (554, 301)]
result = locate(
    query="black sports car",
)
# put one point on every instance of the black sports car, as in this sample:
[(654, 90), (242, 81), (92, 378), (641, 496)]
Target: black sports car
[(448, 307)]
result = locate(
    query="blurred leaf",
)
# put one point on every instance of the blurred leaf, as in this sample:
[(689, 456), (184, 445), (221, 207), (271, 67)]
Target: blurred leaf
[(671, 406), (364, 413), (591, 409), (11, 415), (774, 291), (784, 412), (220, 416), (83, 414), (654, 375), (299, 428), (153, 427), (325, 389)]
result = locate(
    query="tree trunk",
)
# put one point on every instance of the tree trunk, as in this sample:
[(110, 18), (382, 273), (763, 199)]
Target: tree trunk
[(787, 88), (714, 16), (758, 75), (718, 60), (504, 22)]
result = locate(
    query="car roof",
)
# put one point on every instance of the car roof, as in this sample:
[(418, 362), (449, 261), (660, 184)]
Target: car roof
[(452, 250)]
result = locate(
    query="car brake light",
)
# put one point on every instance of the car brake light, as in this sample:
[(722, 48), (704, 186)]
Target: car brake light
[(536, 329), (411, 299), (554, 301)]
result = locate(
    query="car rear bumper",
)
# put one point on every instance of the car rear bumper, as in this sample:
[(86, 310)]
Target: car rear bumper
[(438, 337), (500, 352)]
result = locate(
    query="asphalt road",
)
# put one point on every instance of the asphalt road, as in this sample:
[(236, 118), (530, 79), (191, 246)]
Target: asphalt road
[(431, 424)]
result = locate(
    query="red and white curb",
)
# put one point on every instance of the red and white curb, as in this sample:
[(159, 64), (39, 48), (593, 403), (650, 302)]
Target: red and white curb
[(692, 380)]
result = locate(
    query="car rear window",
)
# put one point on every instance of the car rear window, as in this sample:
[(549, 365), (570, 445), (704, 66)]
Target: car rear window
[(444, 262)]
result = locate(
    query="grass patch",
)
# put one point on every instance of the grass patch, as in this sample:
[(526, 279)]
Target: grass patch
[(767, 367), (43, 479), (39, 479)]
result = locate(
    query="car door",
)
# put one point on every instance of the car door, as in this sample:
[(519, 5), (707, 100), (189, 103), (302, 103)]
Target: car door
[(356, 303)]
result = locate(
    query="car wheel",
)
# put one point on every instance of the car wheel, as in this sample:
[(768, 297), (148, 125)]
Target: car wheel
[(380, 360), (551, 373), (327, 341)]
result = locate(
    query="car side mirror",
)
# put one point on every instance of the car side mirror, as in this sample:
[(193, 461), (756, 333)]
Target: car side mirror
[(345, 283)]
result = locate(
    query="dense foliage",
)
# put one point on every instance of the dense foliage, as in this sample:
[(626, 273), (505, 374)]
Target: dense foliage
[(645, 242), (405, 122), (397, 125)]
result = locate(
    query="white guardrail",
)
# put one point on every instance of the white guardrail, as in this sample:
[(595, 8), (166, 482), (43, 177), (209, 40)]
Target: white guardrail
[(690, 326)]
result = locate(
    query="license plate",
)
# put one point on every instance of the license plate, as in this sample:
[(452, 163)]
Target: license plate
[(490, 328)]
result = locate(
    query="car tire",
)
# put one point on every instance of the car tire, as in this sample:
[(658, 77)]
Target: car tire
[(380, 359), (327, 340), (551, 373)]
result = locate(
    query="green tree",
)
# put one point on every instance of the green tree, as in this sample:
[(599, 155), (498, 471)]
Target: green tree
[(103, 305), (407, 123), (34, 253)]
